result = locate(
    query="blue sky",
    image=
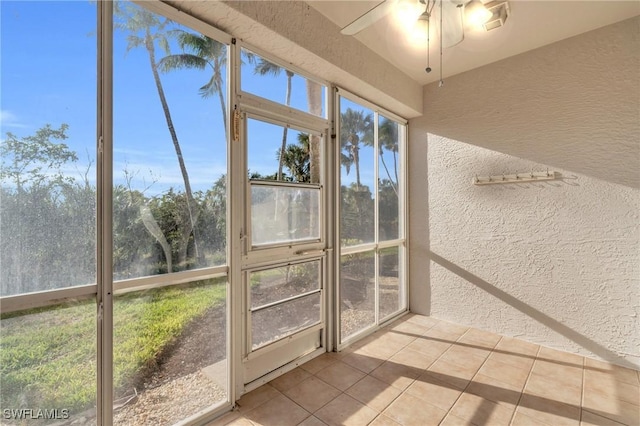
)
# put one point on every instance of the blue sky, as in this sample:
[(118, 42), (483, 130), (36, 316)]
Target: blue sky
[(48, 75)]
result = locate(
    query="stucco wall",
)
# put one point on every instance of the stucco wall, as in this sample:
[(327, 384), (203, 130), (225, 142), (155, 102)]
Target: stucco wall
[(554, 263)]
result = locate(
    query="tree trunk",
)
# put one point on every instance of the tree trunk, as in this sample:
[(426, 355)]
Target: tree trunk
[(186, 231), (223, 105), (384, 164), (283, 146), (314, 103)]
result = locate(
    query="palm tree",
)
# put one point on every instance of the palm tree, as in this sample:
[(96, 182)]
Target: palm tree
[(314, 105), (355, 127), (264, 67), (139, 23), (204, 52), (296, 159), (388, 140)]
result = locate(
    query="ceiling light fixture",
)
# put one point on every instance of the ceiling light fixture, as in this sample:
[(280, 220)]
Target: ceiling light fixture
[(476, 13), (452, 17)]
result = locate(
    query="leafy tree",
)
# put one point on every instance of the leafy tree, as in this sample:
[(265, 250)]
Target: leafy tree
[(49, 215), (147, 29), (356, 214), (36, 160)]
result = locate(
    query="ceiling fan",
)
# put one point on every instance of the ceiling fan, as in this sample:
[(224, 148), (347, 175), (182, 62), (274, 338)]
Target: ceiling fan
[(448, 19)]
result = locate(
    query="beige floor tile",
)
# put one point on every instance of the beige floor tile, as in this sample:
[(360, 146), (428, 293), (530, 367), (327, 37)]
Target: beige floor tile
[(480, 338), (411, 328), (516, 360), (619, 373), (560, 357), (450, 327), (396, 338), (363, 361), (383, 420), (312, 394), (409, 411), (504, 372), (611, 408), (452, 420), (520, 419), (318, 363), (481, 411), (312, 421), (548, 411), (344, 410), (494, 390), (454, 374), (240, 421), (340, 375), (466, 356), (547, 387), (429, 347), (395, 374), (445, 332), (435, 392), (590, 419), (422, 320), (226, 419), (380, 349), (290, 379), (511, 345), (279, 411), (607, 386), (413, 358), (256, 397), (559, 371), (373, 393)]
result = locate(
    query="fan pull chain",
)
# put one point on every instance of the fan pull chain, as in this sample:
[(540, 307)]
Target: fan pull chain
[(428, 68), (429, 4)]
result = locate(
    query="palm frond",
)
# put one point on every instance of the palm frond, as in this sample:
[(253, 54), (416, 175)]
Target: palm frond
[(181, 61), (264, 67)]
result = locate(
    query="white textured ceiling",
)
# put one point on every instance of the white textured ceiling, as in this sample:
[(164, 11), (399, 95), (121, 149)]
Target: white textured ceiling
[(531, 24)]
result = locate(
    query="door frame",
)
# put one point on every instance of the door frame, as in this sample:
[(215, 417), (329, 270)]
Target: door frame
[(243, 259)]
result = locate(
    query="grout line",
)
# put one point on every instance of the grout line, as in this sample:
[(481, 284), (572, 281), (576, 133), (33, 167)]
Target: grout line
[(470, 380), (525, 384)]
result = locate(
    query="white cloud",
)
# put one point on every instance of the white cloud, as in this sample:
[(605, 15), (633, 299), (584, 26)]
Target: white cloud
[(9, 119)]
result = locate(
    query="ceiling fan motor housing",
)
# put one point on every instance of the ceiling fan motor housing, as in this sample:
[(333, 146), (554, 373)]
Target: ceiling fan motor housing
[(500, 10)]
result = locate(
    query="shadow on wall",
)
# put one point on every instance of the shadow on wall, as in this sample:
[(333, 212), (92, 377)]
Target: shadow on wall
[(533, 313)]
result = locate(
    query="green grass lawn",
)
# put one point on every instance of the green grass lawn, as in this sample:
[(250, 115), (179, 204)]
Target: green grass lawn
[(48, 356)]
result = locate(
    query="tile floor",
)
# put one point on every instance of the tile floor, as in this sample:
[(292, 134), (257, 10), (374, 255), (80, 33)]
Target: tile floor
[(422, 371)]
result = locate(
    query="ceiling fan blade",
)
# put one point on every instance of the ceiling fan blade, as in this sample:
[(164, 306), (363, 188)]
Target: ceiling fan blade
[(369, 18), (452, 24)]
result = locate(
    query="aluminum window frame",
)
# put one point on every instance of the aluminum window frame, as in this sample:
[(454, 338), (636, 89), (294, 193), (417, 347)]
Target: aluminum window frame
[(401, 242)]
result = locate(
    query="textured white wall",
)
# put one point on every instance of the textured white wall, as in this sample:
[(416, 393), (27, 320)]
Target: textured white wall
[(554, 263)]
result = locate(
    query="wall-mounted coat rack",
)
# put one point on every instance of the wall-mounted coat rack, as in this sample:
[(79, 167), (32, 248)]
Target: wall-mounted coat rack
[(515, 178)]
